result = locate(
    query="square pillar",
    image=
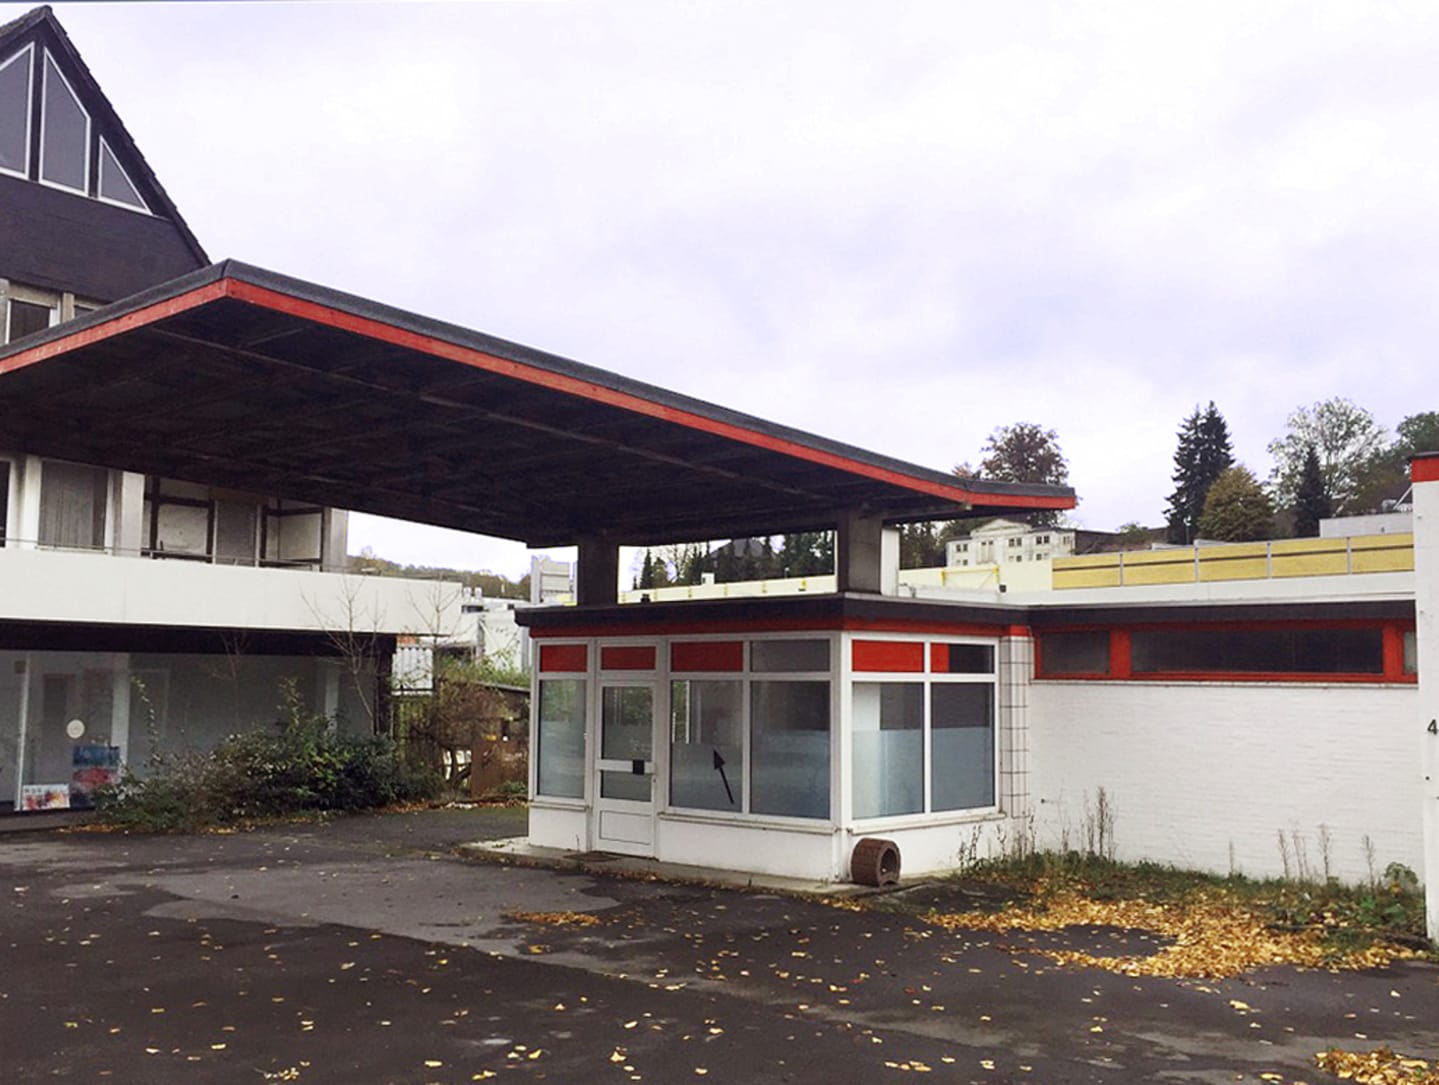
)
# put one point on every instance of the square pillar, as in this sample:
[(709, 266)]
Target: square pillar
[(866, 554), (1424, 471), (597, 572)]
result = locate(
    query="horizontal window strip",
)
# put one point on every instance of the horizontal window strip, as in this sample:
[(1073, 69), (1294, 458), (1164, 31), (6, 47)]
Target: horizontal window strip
[(1348, 651)]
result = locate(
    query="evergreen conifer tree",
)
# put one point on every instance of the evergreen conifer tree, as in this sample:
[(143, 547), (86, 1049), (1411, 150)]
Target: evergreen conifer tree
[(1203, 454), (1312, 502)]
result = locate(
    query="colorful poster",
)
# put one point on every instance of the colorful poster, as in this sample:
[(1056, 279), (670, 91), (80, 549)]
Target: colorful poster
[(94, 767), (44, 797)]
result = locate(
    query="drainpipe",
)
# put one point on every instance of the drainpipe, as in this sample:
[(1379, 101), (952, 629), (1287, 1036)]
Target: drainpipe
[(1424, 470)]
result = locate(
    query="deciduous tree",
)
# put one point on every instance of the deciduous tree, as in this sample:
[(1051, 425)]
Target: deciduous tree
[(1237, 508), (1025, 452), (1347, 440)]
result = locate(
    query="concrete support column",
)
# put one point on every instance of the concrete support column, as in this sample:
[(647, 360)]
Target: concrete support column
[(597, 572), (1016, 669), (866, 554), (1424, 471)]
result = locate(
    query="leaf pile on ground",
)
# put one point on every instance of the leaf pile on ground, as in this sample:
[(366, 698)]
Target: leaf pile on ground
[(1215, 927), (555, 919), (1378, 1067)]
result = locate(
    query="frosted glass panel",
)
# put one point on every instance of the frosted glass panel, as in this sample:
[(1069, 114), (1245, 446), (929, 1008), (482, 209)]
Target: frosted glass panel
[(625, 785), (888, 748), (561, 738), (789, 748), (962, 746), (706, 745), (627, 723)]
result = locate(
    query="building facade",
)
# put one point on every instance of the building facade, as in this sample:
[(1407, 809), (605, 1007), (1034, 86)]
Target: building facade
[(141, 613)]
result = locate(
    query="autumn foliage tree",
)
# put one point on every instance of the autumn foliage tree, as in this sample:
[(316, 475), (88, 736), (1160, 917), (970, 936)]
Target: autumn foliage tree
[(1237, 509), (1025, 452)]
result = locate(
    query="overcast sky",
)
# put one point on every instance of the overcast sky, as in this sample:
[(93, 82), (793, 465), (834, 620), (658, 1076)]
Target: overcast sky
[(895, 225)]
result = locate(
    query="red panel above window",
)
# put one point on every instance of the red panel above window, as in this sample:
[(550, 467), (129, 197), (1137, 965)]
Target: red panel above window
[(627, 657), (713, 655), (564, 657), (892, 656)]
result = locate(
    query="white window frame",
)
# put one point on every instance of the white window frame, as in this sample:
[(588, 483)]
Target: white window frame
[(89, 127), (144, 208), (928, 679), (30, 296), (28, 51)]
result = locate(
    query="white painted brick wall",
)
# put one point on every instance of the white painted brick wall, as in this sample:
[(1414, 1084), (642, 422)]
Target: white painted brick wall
[(1193, 770)]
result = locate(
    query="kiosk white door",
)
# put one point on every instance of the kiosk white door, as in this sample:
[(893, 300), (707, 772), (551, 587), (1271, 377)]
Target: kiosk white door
[(624, 795)]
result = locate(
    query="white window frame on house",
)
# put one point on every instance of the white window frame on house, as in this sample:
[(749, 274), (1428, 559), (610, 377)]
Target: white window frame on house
[(28, 52), (107, 153), (49, 65), (12, 292)]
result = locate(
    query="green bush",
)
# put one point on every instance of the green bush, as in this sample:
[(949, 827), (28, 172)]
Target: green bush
[(302, 764)]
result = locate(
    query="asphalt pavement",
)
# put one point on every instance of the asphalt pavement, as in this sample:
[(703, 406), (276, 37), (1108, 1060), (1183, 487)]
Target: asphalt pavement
[(366, 950)]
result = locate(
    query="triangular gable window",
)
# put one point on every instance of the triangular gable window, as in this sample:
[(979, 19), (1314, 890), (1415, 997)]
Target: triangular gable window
[(15, 112), (115, 183), (64, 132)]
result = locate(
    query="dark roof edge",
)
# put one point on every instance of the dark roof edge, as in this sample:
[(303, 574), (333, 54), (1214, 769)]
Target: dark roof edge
[(518, 352), (44, 16), (833, 608), (351, 304)]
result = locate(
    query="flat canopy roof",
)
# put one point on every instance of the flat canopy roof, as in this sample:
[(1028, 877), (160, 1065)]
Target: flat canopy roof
[(241, 378)]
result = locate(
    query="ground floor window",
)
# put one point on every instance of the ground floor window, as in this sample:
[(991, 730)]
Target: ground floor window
[(707, 762), (560, 738), (923, 742)]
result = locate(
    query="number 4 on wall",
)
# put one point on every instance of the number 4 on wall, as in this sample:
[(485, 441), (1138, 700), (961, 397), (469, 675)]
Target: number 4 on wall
[(1433, 727)]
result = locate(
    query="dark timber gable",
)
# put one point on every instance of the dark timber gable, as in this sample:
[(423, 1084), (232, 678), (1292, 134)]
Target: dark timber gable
[(61, 240)]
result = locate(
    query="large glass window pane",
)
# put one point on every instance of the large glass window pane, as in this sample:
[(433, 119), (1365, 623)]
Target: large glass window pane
[(72, 505), (27, 317), (961, 745), (15, 112), (789, 655), (560, 738), (1258, 651), (1411, 652), (888, 748), (789, 748), (115, 183), (65, 137), (1074, 653), (706, 745)]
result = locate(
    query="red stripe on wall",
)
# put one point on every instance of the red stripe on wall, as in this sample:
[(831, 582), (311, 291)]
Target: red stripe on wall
[(713, 655), (627, 657), (564, 657), (895, 656)]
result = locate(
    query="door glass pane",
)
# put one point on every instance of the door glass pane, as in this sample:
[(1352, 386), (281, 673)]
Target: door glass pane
[(625, 785), (706, 745), (962, 724), (888, 748), (561, 738), (66, 133), (789, 748), (627, 716)]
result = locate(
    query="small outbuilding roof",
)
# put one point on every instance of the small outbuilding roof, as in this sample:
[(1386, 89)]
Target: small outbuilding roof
[(242, 378)]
